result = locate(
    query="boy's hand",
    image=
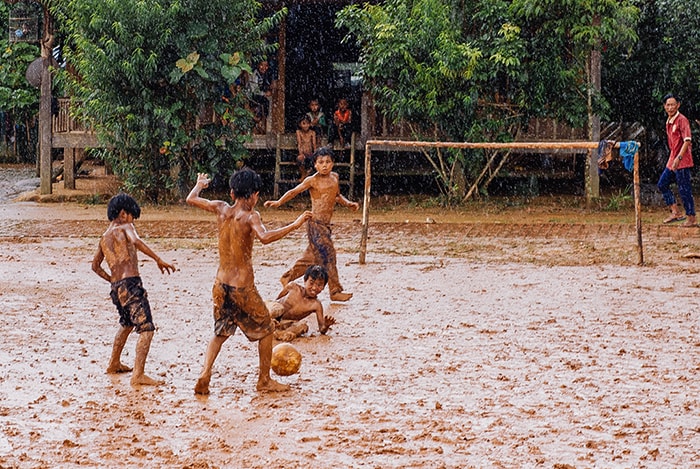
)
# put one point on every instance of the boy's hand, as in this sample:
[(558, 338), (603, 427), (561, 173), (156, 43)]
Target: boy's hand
[(165, 267), (203, 180), (354, 206), (304, 217), (328, 322), (272, 203)]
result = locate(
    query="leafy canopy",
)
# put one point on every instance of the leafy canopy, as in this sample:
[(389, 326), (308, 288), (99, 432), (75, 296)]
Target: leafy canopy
[(479, 70), (157, 80)]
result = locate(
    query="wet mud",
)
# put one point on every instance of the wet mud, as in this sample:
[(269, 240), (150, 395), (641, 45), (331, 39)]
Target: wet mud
[(467, 344)]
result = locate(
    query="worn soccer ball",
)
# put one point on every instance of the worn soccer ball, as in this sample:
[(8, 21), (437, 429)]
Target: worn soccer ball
[(286, 360)]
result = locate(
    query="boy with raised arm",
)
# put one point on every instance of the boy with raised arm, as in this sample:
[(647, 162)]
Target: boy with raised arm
[(324, 189), (237, 303), (118, 247)]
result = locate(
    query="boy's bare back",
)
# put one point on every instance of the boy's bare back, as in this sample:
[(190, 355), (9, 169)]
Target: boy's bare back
[(239, 224), (119, 251)]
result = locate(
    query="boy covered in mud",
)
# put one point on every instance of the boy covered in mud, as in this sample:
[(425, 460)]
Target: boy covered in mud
[(119, 246), (237, 303), (295, 302), (324, 189)]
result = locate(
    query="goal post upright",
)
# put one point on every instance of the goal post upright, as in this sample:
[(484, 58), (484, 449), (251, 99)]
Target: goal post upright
[(560, 145)]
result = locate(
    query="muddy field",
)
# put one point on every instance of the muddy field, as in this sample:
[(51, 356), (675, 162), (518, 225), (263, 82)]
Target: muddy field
[(502, 336)]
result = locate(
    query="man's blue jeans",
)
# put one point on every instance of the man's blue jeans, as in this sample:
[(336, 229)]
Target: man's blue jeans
[(685, 191)]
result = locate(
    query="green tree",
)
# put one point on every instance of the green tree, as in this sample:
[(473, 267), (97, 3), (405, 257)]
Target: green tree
[(17, 97), (157, 81), (478, 71), (666, 59)]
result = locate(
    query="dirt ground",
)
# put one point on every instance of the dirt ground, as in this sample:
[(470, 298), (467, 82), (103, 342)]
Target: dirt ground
[(504, 335)]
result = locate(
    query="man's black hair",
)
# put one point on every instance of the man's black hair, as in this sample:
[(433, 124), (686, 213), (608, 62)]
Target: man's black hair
[(244, 183), (121, 202), (316, 272), (323, 151), (669, 96)]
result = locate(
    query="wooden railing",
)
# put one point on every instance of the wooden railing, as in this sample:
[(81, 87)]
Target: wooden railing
[(62, 121)]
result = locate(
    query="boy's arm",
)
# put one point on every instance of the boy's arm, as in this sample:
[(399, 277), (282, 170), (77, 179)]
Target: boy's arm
[(340, 199), (141, 246), (266, 236), (324, 322), (97, 264), (195, 200), (290, 194), (284, 291)]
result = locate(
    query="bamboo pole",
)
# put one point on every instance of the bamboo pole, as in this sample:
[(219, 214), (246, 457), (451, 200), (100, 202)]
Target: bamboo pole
[(561, 145), (365, 203), (638, 210)]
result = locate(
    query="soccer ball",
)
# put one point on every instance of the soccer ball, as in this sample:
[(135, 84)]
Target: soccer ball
[(286, 360)]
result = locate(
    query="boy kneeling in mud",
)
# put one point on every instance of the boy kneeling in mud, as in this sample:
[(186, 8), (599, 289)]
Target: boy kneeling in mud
[(295, 302)]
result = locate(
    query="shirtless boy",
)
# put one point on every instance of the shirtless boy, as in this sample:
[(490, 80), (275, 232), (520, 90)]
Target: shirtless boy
[(306, 146), (295, 302), (237, 302), (118, 247), (324, 189)]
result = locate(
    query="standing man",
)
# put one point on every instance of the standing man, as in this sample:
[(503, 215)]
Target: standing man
[(680, 160)]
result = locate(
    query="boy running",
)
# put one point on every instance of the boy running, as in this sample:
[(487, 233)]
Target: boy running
[(324, 189), (237, 302)]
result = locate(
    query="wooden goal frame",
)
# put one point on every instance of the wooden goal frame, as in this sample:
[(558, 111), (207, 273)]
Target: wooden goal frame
[(559, 145)]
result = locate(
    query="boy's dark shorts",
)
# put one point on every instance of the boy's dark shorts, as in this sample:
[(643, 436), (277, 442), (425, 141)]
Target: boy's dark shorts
[(308, 162), (131, 300), (240, 307)]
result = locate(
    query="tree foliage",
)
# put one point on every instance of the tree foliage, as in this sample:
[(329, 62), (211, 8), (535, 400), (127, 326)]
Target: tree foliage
[(479, 70), (157, 80), (665, 59), (17, 96)]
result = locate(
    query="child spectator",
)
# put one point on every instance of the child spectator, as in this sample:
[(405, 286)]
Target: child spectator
[(318, 119), (260, 91), (306, 146), (342, 119)]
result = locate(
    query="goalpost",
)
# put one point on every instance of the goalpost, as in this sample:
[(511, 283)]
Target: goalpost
[(576, 145)]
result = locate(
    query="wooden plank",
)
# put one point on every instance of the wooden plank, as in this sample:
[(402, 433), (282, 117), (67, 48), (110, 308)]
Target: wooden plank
[(69, 168), (75, 140)]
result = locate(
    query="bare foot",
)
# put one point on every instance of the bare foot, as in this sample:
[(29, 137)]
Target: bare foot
[(340, 296), (118, 368), (202, 386), (270, 385), (145, 381)]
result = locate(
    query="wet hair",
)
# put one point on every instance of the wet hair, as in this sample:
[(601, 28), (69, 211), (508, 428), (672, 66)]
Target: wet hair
[(121, 202), (316, 272), (669, 96), (323, 151), (244, 183)]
